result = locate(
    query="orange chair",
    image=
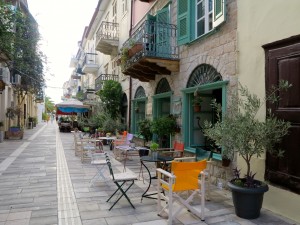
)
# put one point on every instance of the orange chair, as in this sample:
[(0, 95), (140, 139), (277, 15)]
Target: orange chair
[(183, 178), (177, 151)]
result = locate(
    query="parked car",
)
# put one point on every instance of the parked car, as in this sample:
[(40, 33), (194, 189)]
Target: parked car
[(64, 124)]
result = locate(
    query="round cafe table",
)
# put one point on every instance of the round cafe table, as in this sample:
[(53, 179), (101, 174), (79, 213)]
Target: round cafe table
[(157, 159)]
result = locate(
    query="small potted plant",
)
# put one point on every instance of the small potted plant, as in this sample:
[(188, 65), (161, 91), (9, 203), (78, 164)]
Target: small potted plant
[(145, 130), (240, 131), (197, 103), (153, 147)]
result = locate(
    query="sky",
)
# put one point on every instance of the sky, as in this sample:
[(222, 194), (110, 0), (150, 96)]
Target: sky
[(61, 25)]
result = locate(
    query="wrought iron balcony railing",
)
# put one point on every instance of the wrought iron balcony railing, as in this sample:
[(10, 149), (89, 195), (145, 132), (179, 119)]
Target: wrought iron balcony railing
[(156, 39), (151, 50), (103, 77)]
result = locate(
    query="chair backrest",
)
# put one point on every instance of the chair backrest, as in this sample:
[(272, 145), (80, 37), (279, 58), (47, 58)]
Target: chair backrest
[(129, 138), (178, 146), (109, 166), (187, 174), (179, 149)]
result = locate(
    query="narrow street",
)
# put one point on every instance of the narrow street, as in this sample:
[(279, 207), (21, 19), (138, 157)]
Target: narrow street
[(42, 182)]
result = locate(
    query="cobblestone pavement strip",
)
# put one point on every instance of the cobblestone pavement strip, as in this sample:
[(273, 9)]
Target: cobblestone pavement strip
[(42, 182)]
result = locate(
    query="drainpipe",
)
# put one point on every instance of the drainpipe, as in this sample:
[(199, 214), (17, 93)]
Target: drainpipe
[(129, 106), (130, 79)]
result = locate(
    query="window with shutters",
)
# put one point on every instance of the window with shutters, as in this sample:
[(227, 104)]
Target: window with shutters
[(195, 18)]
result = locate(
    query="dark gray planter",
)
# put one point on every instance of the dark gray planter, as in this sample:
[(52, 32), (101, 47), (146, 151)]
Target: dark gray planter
[(247, 201)]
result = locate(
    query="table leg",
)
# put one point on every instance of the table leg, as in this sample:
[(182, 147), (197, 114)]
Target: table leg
[(145, 195)]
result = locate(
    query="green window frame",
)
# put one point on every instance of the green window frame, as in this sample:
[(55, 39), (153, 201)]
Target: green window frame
[(187, 18), (186, 104), (139, 102)]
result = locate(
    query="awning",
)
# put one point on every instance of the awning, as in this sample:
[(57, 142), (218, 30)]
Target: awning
[(70, 107)]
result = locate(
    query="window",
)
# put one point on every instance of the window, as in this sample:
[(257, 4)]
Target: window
[(124, 6), (203, 17), (114, 12), (106, 69), (196, 18)]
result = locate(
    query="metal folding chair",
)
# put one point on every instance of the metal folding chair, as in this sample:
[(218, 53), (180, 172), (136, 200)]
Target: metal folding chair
[(120, 179), (99, 161), (183, 178)]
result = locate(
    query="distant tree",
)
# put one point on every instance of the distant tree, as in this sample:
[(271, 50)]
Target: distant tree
[(19, 48), (49, 105), (111, 96)]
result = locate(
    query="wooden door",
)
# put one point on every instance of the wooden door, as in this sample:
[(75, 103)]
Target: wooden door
[(283, 62)]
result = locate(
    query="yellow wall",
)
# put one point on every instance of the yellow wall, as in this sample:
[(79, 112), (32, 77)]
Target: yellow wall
[(261, 22)]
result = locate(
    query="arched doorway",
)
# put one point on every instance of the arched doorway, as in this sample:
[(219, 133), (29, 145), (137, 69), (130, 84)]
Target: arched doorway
[(138, 108), (162, 103), (124, 111), (205, 83)]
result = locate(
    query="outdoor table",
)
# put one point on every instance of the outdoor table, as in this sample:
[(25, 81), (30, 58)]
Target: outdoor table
[(156, 159)]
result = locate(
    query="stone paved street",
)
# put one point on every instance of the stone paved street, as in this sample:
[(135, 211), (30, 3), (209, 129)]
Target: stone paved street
[(42, 182)]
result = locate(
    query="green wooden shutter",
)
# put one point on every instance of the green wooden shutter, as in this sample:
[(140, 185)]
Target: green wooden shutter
[(219, 13), (162, 15), (162, 33), (183, 21)]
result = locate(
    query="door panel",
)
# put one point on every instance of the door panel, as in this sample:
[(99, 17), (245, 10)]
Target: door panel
[(283, 62), (163, 33)]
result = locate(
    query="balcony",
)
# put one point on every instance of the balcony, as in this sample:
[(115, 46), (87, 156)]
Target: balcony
[(89, 63), (107, 38), (73, 62), (151, 50), (75, 76), (39, 97), (103, 77)]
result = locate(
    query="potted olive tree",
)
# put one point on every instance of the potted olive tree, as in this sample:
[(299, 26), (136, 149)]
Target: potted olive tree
[(145, 130), (164, 127), (239, 131), (14, 132)]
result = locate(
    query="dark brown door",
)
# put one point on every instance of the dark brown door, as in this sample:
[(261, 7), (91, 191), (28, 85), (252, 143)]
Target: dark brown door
[(283, 62)]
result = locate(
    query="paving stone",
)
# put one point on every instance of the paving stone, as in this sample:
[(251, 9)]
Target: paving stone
[(121, 220), (44, 212), (44, 220), (94, 222), (19, 215), (3, 216), (18, 222)]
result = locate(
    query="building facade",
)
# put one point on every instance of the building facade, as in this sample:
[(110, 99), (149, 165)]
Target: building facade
[(268, 51), (168, 54)]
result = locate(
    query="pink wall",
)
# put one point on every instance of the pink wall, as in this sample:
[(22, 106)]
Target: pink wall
[(139, 10)]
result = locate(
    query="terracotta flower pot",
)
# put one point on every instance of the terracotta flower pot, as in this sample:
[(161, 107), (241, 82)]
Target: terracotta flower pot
[(135, 49)]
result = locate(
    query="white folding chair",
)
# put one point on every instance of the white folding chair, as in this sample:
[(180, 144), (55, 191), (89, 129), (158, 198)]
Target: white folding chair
[(183, 178)]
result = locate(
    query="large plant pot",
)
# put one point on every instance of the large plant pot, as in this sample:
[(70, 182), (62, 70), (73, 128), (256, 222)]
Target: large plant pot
[(247, 201), (1, 136), (225, 162), (14, 134)]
